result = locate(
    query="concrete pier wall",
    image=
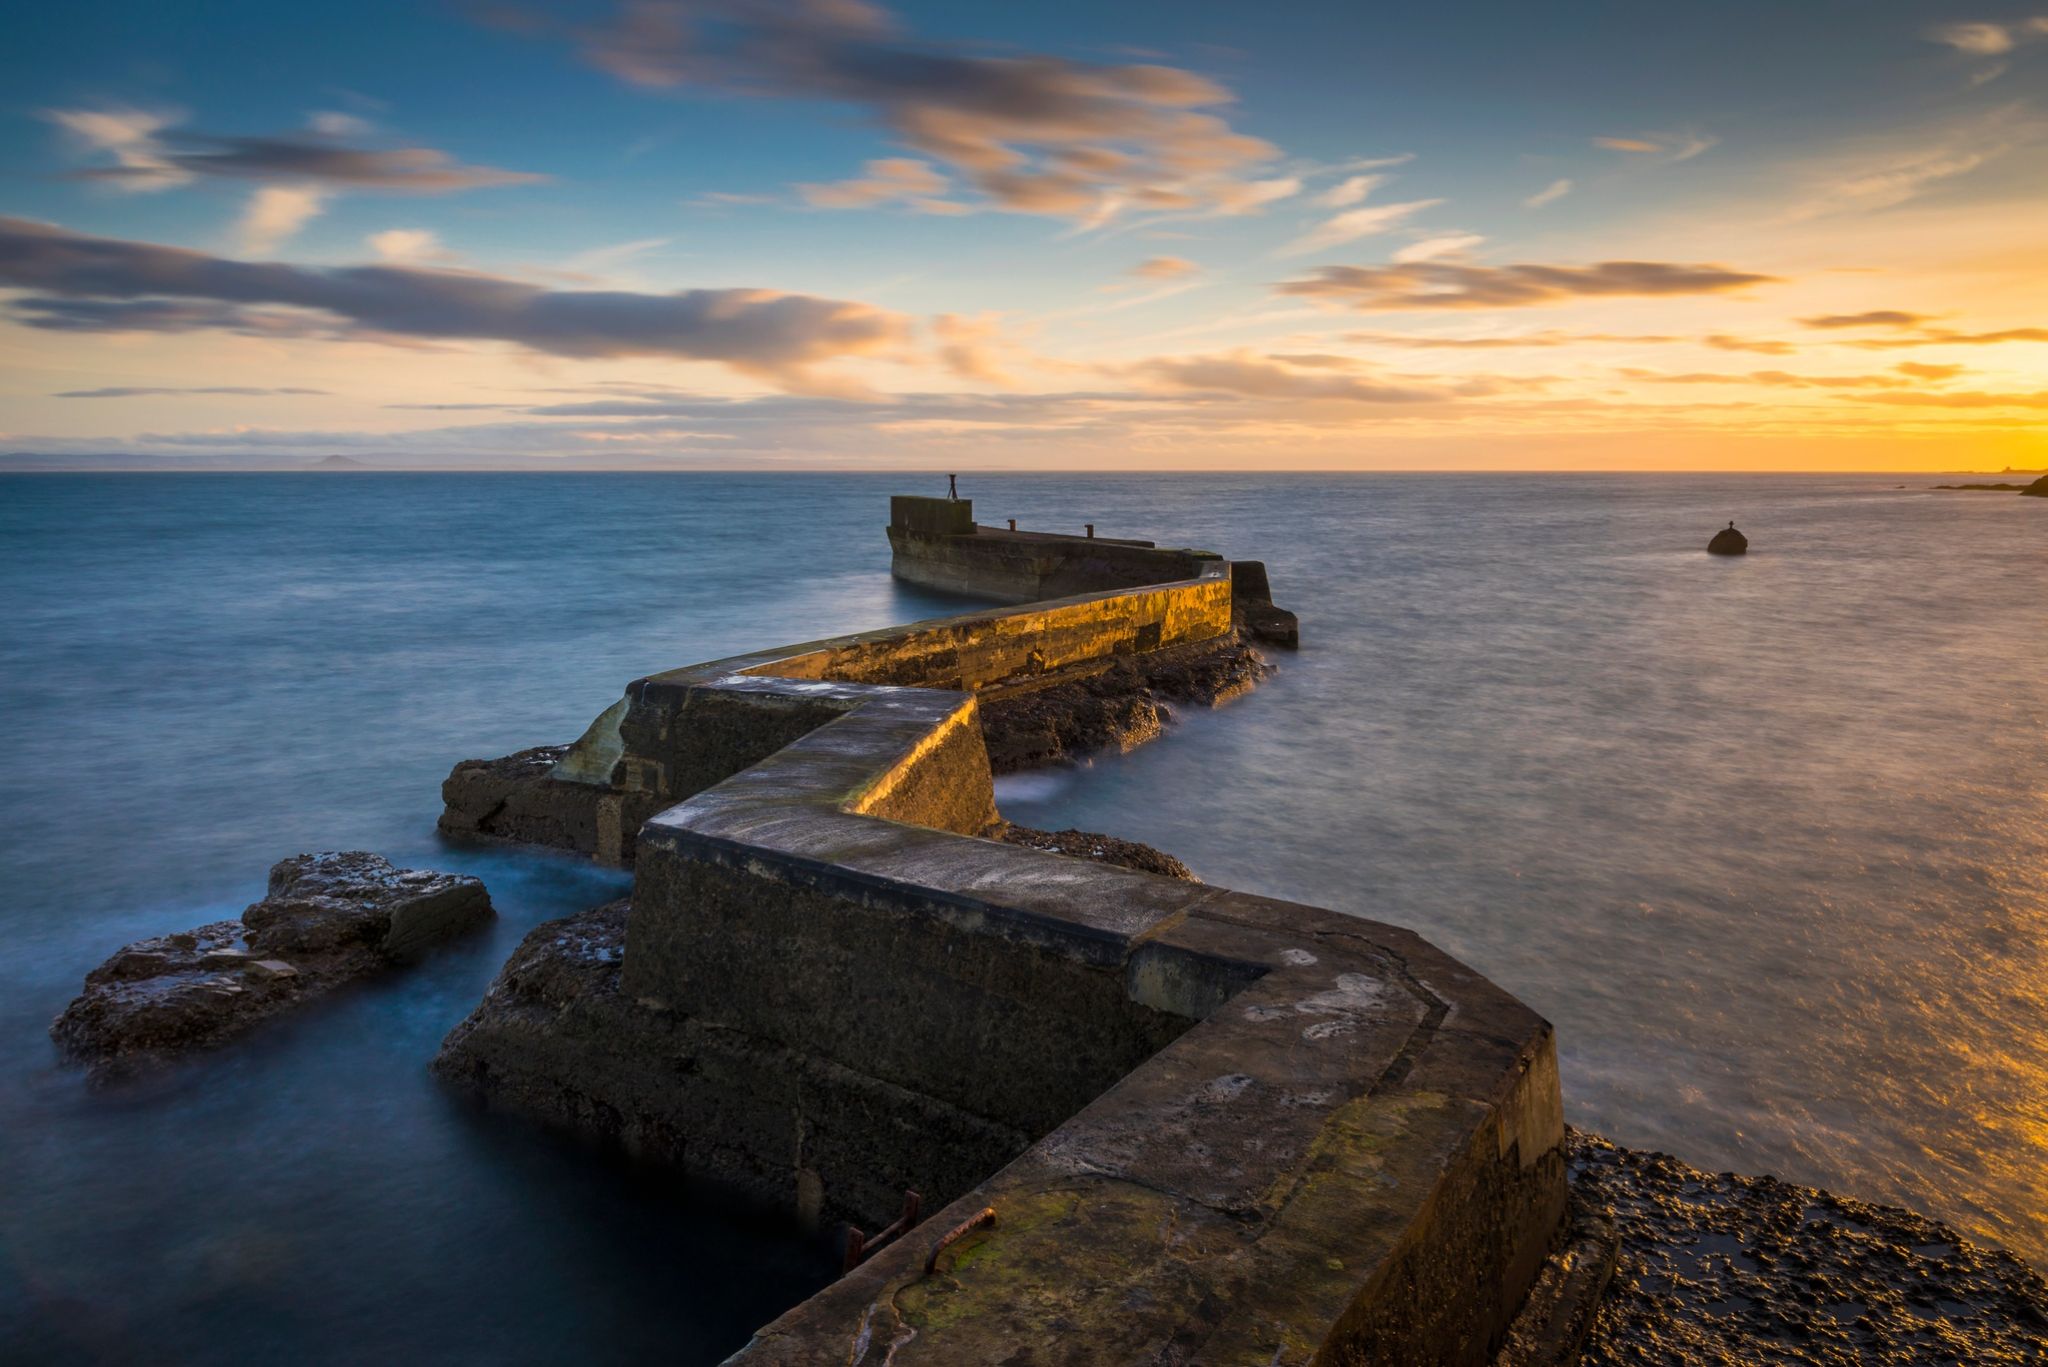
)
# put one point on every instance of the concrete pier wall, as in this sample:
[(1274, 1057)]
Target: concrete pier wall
[(1209, 1126), (677, 733)]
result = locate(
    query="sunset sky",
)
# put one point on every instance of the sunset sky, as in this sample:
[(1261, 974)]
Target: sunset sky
[(1734, 235)]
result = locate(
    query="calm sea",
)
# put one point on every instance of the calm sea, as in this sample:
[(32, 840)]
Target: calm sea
[(1766, 838)]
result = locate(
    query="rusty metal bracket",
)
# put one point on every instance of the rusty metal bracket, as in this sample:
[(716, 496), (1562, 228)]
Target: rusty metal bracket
[(981, 1219), (860, 1247)]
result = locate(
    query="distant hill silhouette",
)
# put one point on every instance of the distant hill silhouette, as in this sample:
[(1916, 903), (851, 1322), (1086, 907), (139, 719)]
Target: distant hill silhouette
[(339, 463)]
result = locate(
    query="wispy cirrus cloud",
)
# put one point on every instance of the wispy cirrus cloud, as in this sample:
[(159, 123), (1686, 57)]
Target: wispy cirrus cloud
[(1467, 285), (1549, 337), (1443, 244), (1037, 134), (1988, 39), (1353, 224), (904, 181), (1163, 268), (1549, 194), (1899, 376), (83, 283), (1670, 148), (1876, 175)]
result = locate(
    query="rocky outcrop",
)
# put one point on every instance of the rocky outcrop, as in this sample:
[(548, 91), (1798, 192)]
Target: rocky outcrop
[(1728, 541), (326, 919), (514, 798), (1115, 708), (2038, 489), (1715, 1271)]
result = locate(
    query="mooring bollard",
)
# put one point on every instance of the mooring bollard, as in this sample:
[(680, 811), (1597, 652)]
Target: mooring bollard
[(1013, 524), (1091, 529)]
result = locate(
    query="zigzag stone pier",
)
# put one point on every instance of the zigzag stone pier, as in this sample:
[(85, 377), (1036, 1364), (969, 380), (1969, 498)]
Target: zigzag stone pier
[(1151, 1120)]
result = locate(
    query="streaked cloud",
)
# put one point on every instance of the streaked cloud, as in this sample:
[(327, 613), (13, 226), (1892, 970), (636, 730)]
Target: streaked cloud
[(1899, 376), (1038, 134), (1549, 194), (1545, 338), (1351, 190), (148, 156), (106, 284), (1270, 377), (1163, 268), (1464, 285), (1446, 244), (405, 245), (1354, 224), (1872, 318), (903, 181), (1765, 346), (156, 391), (1670, 147), (1950, 337), (1978, 40)]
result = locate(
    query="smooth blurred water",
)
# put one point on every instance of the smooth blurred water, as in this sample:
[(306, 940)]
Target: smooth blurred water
[(1767, 839)]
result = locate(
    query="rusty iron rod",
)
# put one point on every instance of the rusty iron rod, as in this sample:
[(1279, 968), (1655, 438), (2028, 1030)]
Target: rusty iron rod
[(981, 1219)]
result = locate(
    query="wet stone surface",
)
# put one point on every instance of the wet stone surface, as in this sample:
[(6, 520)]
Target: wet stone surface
[(1722, 1269), (1117, 708), (327, 919), (1103, 849)]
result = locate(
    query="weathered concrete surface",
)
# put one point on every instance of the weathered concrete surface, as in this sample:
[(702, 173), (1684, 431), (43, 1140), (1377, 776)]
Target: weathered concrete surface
[(1721, 1271), (1106, 849), (326, 920)]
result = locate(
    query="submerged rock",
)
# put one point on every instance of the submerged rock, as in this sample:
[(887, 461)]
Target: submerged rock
[(326, 919), (1115, 708), (1728, 541), (1725, 1270)]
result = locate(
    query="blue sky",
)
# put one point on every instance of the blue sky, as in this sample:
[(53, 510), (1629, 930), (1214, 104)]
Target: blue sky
[(1163, 235)]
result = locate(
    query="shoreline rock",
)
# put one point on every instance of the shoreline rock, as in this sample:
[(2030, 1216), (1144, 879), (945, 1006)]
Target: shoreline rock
[(1717, 1270), (326, 919)]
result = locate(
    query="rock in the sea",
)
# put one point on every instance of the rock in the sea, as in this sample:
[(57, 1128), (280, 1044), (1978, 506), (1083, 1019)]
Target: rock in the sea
[(326, 919), (2038, 489), (1116, 708), (1728, 541)]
